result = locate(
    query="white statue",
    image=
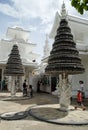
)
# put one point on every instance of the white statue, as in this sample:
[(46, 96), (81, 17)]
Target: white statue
[(64, 88)]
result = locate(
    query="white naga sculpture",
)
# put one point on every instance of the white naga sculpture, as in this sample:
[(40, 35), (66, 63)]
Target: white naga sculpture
[(64, 92)]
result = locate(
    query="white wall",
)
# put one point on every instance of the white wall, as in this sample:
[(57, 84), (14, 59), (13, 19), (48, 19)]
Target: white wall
[(83, 77)]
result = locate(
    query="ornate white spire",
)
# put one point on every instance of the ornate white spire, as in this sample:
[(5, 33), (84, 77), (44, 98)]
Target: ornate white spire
[(46, 41), (46, 47), (63, 11)]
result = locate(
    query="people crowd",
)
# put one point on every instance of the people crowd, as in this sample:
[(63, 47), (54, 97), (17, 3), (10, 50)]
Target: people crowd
[(27, 90)]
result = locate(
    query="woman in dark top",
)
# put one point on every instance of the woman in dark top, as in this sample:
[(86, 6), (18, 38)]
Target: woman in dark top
[(24, 88)]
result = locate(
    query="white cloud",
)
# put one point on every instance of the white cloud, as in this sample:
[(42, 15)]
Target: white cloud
[(42, 9), (36, 16), (27, 9), (31, 8), (34, 8), (8, 10)]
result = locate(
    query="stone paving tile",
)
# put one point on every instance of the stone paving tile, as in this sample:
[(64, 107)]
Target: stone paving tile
[(54, 115), (30, 123)]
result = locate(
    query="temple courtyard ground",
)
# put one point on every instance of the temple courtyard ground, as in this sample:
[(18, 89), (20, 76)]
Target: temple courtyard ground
[(44, 107)]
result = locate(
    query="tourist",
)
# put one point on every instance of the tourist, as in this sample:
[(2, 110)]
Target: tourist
[(30, 91), (79, 97), (82, 88), (24, 88), (3, 85), (38, 86), (79, 100)]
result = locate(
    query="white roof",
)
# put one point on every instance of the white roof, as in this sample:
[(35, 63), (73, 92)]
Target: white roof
[(25, 51), (17, 33), (74, 22)]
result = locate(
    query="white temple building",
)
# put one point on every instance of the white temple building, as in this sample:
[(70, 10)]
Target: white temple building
[(20, 37), (79, 29)]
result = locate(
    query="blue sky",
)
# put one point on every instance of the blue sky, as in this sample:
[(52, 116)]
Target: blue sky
[(36, 16)]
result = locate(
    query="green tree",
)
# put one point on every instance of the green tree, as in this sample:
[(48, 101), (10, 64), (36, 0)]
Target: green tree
[(80, 5)]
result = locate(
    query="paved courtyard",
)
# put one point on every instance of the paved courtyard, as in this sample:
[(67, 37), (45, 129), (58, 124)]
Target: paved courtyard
[(29, 123)]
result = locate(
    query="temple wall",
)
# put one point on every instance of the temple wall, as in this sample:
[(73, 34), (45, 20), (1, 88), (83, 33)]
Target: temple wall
[(86, 39), (83, 77)]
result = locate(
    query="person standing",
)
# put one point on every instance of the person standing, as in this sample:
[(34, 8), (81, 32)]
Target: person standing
[(38, 86), (3, 85), (30, 91), (82, 88), (24, 88)]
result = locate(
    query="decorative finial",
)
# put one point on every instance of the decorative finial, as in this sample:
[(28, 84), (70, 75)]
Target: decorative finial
[(46, 47), (16, 43), (46, 37), (63, 11), (15, 36)]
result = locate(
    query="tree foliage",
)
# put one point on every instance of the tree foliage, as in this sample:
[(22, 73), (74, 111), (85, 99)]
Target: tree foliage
[(80, 5)]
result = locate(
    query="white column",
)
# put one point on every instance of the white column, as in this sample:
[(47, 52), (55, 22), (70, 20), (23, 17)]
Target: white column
[(9, 83), (28, 78), (2, 74), (21, 83), (13, 87), (2, 77)]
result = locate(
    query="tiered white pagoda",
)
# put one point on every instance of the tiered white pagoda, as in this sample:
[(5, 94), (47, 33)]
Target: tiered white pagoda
[(79, 29), (20, 37)]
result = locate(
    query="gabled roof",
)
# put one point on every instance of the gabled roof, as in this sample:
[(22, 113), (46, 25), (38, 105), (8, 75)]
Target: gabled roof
[(25, 51), (18, 33), (74, 21)]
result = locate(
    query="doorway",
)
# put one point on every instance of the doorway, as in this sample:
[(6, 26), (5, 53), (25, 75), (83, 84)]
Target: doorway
[(53, 83)]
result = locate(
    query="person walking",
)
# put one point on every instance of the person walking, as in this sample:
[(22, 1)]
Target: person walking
[(79, 97), (80, 100)]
